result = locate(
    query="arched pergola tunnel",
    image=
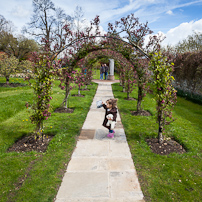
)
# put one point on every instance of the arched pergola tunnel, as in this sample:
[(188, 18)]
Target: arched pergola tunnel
[(108, 37), (111, 61), (144, 54)]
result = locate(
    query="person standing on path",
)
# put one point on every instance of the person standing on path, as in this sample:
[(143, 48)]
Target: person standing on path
[(110, 108), (106, 71), (102, 70)]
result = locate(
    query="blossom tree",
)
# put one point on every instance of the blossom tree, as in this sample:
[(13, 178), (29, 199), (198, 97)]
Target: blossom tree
[(67, 77), (135, 33), (140, 66), (165, 93), (8, 66), (43, 72), (26, 66), (79, 80), (86, 65)]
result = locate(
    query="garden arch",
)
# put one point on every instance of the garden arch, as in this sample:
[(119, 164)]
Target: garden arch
[(109, 37)]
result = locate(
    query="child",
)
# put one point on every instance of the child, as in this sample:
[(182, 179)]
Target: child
[(110, 108)]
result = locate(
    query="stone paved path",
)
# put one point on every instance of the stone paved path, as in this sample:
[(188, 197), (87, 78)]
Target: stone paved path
[(101, 169)]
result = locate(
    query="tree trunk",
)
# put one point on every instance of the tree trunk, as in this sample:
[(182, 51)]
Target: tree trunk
[(139, 104), (128, 95), (139, 100), (39, 127), (124, 90), (160, 131), (7, 80), (67, 91)]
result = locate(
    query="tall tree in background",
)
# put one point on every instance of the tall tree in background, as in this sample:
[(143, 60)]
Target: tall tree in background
[(47, 22), (3, 23), (42, 20), (8, 66), (6, 25), (78, 20), (19, 46), (61, 20), (193, 43)]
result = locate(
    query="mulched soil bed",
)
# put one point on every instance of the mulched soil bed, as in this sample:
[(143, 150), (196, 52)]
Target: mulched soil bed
[(64, 110), (167, 147), (12, 84), (141, 113), (28, 143)]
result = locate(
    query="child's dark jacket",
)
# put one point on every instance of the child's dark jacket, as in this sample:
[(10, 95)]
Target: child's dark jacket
[(113, 111)]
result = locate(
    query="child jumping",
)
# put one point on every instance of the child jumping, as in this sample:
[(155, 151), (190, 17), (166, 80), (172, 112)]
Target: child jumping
[(110, 108)]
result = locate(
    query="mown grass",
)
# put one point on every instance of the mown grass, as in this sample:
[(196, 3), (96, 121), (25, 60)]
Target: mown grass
[(33, 176), (174, 177)]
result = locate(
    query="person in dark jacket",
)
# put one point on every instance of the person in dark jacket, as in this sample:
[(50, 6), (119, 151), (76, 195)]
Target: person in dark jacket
[(110, 108), (102, 70), (106, 71)]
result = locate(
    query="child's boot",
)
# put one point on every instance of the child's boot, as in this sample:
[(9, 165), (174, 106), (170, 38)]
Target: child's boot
[(110, 135)]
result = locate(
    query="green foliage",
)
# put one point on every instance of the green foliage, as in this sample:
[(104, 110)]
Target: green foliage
[(197, 98), (8, 66), (19, 46), (192, 43), (165, 93), (188, 71), (174, 177), (23, 176), (42, 84), (25, 66)]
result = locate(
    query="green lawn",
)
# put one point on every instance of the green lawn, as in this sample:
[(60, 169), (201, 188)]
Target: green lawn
[(33, 176), (175, 177)]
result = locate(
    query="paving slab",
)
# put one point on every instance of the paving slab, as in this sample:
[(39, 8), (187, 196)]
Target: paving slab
[(83, 184), (125, 184), (91, 148), (101, 169)]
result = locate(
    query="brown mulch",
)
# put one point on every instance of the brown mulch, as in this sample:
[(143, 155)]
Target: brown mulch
[(12, 84), (167, 147), (29, 143), (63, 110), (141, 113)]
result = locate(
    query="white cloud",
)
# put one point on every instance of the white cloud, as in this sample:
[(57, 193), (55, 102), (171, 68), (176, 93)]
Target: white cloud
[(169, 12), (156, 12), (86, 23), (20, 11), (173, 36)]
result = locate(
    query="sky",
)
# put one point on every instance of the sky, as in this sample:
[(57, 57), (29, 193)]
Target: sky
[(175, 18)]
